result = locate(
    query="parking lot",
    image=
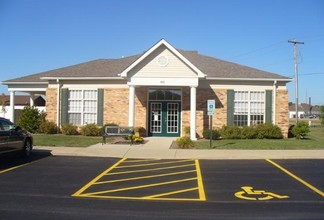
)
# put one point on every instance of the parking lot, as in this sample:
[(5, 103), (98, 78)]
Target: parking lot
[(89, 187)]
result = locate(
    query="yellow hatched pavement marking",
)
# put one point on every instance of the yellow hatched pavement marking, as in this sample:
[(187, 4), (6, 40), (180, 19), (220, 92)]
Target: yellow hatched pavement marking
[(144, 177), (141, 186), (80, 191), (153, 164), (160, 196)]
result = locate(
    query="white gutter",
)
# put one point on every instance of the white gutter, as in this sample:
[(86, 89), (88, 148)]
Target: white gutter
[(249, 79), (79, 78)]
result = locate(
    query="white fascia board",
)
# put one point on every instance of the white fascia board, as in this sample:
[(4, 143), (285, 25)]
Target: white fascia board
[(172, 49), (81, 78), (24, 83), (249, 79)]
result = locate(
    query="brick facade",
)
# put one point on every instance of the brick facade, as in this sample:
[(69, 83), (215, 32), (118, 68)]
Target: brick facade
[(282, 111), (51, 104), (116, 102)]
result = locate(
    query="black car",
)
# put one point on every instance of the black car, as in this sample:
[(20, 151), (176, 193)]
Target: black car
[(14, 139)]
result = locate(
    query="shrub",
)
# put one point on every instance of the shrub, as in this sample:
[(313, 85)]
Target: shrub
[(185, 143), (187, 131), (248, 132), (301, 129), (141, 131), (31, 118), (69, 129), (215, 134), (90, 130), (48, 127), (137, 139), (268, 131), (230, 132)]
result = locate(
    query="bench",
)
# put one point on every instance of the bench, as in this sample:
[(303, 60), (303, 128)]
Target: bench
[(117, 131)]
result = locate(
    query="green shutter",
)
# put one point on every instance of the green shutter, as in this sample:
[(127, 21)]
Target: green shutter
[(230, 107), (100, 107), (268, 112), (64, 106)]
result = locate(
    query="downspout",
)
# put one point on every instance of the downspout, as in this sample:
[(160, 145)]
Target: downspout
[(58, 104), (274, 101)]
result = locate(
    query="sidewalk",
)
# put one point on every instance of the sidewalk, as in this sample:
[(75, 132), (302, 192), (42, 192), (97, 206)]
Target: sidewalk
[(159, 148)]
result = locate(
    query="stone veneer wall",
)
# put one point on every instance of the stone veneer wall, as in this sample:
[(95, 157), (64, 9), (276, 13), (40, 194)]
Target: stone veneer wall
[(282, 111), (51, 104)]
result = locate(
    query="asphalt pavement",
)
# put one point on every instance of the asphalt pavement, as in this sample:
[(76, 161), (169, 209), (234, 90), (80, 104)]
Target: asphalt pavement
[(160, 148)]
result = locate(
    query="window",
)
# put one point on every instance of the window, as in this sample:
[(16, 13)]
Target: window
[(165, 94), (82, 107), (249, 107)]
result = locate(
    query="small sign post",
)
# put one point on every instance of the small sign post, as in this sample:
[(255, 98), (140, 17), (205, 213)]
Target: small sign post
[(210, 113)]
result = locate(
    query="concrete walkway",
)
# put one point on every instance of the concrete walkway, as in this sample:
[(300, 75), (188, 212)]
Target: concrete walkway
[(159, 148)]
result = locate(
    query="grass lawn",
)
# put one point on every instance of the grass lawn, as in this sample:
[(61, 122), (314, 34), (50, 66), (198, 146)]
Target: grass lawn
[(315, 140), (61, 140)]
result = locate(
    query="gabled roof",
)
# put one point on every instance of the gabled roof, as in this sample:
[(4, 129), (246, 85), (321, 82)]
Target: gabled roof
[(169, 47), (210, 67)]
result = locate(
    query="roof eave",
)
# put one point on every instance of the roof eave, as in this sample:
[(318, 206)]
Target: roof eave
[(82, 78), (250, 79)]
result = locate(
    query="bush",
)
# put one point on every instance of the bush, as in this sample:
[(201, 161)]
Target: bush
[(230, 132), (248, 132), (31, 118), (69, 129), (268, 131), (301, 129), (185, 143), (141, 131), (187, 131), (90, 130), (48, 127), (215, 134), (137, 139)]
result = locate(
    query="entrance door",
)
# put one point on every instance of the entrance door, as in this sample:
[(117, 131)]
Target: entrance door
[(164, 119)]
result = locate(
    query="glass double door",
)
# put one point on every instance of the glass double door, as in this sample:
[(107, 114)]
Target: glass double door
[(164, 118)]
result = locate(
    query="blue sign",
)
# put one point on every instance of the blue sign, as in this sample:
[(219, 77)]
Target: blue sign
[(211, 107)]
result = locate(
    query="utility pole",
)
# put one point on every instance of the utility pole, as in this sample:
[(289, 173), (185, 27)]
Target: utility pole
[(296, 73)]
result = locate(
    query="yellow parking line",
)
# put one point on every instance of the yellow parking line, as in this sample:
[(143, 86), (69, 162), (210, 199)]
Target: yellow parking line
[(144, 177), (97, 178), (296, 178), (147, 170), (152, 164), (170, 193), (139, 160), (141, 186), (16, 167), (201, 190), (12, 168)]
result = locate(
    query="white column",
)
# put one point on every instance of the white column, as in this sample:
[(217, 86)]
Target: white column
[(12, 106), (31, 99), (193, 102), (58, 109), (131, 107)]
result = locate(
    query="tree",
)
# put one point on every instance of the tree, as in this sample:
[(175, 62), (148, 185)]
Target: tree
[(31, 118), (3, 104), (322, 115)]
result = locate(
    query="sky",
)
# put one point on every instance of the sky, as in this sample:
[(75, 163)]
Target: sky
[(41, 35)]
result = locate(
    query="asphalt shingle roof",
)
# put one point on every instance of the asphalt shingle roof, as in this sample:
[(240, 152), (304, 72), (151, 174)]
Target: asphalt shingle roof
[(210, 66)]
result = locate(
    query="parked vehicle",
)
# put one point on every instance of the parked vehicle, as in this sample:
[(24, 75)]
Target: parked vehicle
[(14, 139)]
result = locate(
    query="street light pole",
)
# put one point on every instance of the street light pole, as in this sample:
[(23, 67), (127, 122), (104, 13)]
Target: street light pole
[(296, 74)]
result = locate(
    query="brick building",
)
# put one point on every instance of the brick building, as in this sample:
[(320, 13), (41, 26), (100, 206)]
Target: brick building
[(163, 90)]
